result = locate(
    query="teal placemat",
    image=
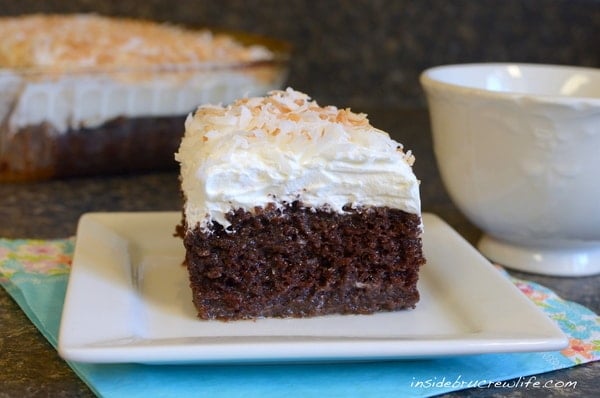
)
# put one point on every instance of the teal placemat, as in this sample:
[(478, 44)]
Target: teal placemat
[(35, 274)]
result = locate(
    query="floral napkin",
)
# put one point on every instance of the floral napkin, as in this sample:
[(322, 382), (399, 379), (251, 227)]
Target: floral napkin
[(35, 274)]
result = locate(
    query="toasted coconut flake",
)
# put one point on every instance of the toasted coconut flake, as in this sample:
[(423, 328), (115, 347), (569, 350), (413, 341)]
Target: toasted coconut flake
[(87, 40)]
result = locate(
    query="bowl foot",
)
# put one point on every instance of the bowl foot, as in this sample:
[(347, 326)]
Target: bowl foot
[(571, 261)]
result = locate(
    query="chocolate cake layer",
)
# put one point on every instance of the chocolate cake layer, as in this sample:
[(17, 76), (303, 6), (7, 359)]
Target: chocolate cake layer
[(297, 262), (122, 145)]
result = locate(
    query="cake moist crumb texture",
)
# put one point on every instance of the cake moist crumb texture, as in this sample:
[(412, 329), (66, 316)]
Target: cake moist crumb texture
[(298, 262)]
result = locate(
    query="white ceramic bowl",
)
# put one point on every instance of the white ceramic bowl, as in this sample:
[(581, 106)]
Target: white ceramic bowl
[(518, 148)]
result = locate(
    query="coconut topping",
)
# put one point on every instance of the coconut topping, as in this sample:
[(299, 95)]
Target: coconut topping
[(89, 40), (285, 147)]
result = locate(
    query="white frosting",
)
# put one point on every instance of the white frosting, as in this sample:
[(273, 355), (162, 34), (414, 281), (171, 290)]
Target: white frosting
[(89, 100), (283, 148)]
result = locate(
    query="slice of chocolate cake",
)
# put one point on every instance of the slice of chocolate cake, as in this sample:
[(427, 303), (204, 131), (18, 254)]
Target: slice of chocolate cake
[(294, 210)]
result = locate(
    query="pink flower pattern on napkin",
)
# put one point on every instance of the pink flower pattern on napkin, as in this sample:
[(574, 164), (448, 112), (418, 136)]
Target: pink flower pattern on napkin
[(47, 257), (579, 348), (580, 324)]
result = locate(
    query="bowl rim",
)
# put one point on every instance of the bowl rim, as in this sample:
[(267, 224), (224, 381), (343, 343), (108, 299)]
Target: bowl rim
[(429, 82)]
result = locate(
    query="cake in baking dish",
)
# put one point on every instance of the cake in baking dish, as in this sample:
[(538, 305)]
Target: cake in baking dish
[(294, 210), (88, 94)]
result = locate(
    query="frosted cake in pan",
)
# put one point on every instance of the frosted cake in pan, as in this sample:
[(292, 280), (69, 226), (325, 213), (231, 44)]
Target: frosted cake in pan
[(86, 94)]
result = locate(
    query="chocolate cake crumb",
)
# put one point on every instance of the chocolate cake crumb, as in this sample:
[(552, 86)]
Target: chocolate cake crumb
[(294, 261)]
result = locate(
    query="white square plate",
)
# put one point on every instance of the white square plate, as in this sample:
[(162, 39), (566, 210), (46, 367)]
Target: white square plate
[(128, 300)]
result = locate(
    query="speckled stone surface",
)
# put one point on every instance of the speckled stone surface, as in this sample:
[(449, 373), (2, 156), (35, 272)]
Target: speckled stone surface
[(370, 52), (31, 368)]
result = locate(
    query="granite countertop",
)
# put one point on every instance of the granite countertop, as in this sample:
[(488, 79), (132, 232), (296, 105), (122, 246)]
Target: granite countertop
[(31, 367)]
